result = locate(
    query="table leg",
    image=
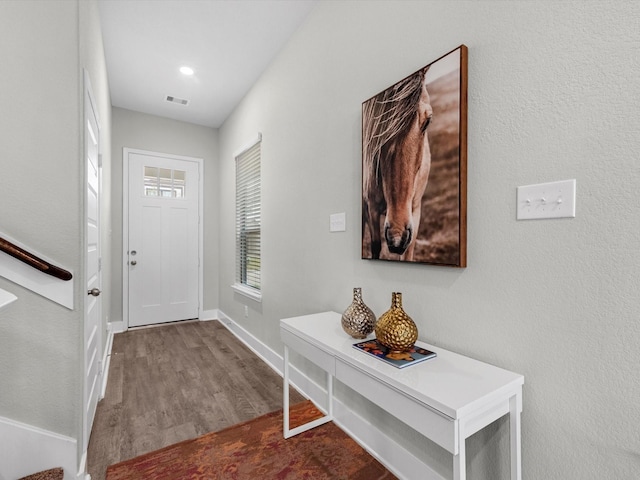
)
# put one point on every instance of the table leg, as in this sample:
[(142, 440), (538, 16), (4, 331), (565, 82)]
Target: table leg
[(285, 390), (330, 394), (460, 461), (515, 434), (290, 432)]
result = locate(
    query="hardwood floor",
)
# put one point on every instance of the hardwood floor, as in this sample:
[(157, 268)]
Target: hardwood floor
[(174, 382)]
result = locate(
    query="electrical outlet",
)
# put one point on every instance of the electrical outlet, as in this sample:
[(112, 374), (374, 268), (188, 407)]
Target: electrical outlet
[(547, 200)]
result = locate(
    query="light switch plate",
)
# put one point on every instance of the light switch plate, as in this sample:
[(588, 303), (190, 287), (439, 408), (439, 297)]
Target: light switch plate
[(338, 222), (547, 200)]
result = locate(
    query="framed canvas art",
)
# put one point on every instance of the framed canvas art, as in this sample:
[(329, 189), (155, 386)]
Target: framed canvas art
[(414, 166)]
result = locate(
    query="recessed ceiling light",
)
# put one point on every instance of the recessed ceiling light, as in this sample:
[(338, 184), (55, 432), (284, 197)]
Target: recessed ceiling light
[(186, 70)]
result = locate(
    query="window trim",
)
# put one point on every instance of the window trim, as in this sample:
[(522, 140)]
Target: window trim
[(238, 287), (248, 145), (247, 291)]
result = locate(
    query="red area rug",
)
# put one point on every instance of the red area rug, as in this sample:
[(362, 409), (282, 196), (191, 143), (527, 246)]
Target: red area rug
[(257, 449)]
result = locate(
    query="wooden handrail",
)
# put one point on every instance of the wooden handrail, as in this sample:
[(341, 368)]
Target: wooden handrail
[(30, 259)]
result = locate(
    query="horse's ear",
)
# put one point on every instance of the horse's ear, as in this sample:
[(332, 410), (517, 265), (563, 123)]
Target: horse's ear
[(423, 73)]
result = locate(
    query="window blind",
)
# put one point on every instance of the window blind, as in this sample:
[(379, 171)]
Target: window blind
[(248, 206)]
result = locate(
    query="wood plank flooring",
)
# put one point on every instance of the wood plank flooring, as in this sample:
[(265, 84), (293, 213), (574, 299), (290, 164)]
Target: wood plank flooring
[(175, 382)]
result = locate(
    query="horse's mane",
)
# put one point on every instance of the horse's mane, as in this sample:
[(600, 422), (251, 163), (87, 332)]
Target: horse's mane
[(386, 116)]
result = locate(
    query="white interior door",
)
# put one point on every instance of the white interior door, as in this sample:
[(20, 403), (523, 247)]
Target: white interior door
[(163, 246), (92, 329)]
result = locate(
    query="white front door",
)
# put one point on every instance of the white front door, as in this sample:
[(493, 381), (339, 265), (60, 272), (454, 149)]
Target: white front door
[(92, 319), (163, 238)]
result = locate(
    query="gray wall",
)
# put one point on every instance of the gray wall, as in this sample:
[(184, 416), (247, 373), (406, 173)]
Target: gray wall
[(41, 207), (44, 46), (553, 95), (148, 132)]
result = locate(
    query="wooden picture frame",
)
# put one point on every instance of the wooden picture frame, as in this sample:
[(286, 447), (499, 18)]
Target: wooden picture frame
[(414, 166)]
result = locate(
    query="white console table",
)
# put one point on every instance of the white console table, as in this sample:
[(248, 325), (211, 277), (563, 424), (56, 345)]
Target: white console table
[(447, 398)]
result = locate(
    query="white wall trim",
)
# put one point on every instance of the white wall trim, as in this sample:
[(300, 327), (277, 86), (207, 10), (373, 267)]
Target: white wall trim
[(270, 357), (25, 449), (206, 315), (82, 468), (248, 145), (117, 327), (398, 460), (59, 291), (6, 298), (106, 360), (249, 292)]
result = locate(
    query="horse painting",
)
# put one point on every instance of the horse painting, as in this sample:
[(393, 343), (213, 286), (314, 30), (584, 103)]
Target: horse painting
[(395, 165)]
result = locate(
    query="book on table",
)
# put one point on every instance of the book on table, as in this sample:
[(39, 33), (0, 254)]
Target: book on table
[(398, 360)]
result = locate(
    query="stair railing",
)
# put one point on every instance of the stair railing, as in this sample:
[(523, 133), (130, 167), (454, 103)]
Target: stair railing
[(33, 261)]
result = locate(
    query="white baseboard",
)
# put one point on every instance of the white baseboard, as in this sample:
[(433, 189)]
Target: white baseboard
[(82, 469), (117, 327), (398, 460), (25, 449), (106, 360), (206, 315), (270, 357)]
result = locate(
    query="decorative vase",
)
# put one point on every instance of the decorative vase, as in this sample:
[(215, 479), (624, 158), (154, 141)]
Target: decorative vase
[(358, 320), (395, 329)]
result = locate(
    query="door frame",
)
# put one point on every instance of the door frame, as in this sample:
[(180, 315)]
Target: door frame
[(126, 151)]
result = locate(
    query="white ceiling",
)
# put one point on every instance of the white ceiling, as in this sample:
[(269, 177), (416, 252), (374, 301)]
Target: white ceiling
[(229, 44)]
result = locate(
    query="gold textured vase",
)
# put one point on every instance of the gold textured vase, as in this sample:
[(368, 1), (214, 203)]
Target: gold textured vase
[(358, 320), (395, 329)]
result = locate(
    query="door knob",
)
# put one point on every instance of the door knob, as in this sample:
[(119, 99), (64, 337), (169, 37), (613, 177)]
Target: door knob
[(94, 291), (133, 262)]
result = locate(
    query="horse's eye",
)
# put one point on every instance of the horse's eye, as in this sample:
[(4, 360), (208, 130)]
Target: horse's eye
[(426, 123)]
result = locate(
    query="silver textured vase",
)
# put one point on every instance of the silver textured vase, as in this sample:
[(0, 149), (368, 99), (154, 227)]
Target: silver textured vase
[(358, 320)]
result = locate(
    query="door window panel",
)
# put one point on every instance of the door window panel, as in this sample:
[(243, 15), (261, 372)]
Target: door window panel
[(164, 182)]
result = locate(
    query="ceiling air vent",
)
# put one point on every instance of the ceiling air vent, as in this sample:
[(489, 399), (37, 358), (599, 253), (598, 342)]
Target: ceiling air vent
[(177, 100)]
